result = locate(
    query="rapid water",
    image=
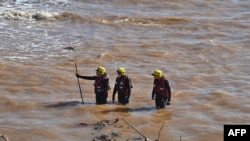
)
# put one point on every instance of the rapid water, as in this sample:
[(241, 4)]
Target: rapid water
[(202, 47)]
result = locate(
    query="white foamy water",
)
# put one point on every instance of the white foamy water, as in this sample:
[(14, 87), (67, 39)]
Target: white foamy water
[(202, 48)]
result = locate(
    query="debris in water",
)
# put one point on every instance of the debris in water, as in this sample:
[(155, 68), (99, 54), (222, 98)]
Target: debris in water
[(158, 139), (69, 48), (145, 138), (99, 125), (111, 136)]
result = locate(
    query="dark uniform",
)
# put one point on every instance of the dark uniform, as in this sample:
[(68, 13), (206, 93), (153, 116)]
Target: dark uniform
[(123, 86), (161, 92), (101, 85)]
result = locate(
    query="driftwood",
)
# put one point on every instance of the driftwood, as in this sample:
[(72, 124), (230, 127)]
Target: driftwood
[(159, 134), (146, 139)]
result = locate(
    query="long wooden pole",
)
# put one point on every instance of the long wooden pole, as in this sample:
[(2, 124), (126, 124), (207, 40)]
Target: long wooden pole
[(79, 84)]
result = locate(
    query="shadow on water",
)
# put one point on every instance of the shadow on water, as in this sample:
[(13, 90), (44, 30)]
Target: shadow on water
[(63, 104), (126, 109), (142, 109)]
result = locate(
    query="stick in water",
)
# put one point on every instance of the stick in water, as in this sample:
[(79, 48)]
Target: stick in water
[(160, 131), (79, 84), (146, 139)]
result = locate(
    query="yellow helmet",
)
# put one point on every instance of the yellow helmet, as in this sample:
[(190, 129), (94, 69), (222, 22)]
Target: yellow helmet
[(157, 73), (100, 70), (121, 70)]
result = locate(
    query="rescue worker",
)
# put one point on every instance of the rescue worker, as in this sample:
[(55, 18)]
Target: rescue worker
[(101, 84), (123, 86), (161, 91)]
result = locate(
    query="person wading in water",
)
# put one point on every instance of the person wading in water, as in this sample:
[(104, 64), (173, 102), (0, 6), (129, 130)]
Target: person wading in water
[(161, 92), (123, 86), (101, 84)]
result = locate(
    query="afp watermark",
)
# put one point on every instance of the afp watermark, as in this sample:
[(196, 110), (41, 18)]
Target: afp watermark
[(236, 132)]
